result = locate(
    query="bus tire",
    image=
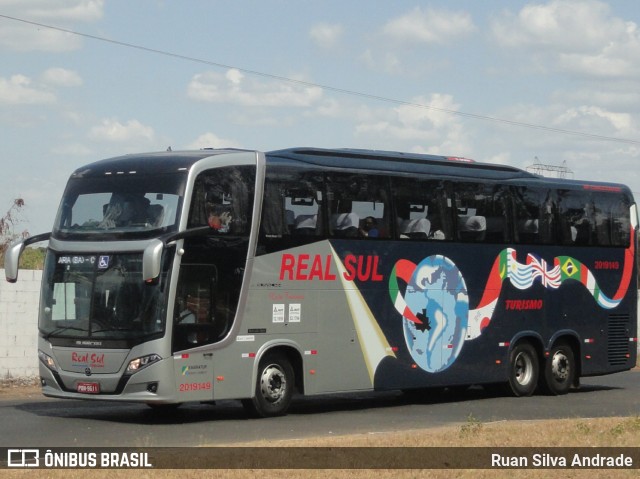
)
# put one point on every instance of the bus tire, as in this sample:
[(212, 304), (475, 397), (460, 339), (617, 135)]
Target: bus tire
[(523, 370), (559, 370), (274, 387)]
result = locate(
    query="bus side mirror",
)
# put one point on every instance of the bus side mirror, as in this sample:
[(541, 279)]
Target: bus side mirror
[(11, 260), (151, 259), (12, 255)]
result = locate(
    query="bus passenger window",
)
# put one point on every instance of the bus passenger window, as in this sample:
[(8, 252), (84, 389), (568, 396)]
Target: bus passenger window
[(291, 208), (576, 217), (534, 215), (200, 315), (358, 206), (620, 221), (223, 199), (481, 209), (423, 209)]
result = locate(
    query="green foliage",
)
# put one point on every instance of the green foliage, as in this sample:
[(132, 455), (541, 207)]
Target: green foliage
[(33, 258), (472, 427)]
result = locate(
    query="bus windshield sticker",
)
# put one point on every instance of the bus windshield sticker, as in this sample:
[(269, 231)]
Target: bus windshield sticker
[(103, 262)]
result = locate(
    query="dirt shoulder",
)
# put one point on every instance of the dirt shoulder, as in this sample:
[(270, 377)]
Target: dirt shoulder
[(20, 388)]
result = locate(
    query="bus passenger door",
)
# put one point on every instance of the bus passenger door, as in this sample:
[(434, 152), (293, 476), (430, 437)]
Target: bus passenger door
[(196, 324)]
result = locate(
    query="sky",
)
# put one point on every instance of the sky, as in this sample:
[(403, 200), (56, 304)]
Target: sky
[(513, 82)]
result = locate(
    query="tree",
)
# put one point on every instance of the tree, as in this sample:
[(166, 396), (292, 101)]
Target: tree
[(8, 226)]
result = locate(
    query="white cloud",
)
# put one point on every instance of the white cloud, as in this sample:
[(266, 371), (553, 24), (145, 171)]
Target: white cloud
[(235, 88), (378, 59), (20, 90), (211, 140), (111, 130), (326, 35), (61, 77), (599, 120), (577, 36), (23, 37), (430, 26), (67, 10), (422, 130)]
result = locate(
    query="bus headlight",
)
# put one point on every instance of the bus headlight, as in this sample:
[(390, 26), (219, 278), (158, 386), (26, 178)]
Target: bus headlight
[(137, 364), (47, 360)]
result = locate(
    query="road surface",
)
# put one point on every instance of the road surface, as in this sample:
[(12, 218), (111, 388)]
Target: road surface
[(43, 422)]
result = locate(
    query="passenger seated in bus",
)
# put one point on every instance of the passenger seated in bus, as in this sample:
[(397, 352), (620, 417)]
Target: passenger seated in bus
[(306, 225), (345, 225), (418, 228), (369, 228), (218, 218), (472, 228), (155, 215), (125, 209)]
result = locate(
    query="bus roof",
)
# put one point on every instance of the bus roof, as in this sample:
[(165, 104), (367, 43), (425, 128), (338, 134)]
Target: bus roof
[(427, 164), (157, 163), (356, 159), (391, 161)]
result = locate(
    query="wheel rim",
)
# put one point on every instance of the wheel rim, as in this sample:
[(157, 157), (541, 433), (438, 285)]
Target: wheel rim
[(560, 368), (273, 383), (523, 369)]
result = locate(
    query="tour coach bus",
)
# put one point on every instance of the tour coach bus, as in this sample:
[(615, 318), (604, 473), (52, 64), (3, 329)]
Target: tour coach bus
[(230, 274)]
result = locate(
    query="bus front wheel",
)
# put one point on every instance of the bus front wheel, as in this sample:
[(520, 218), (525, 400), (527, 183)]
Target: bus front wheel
[(523, 370), (559, 370), (273, 389)]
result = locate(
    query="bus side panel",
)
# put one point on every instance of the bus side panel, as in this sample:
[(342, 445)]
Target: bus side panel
[(301, 297)]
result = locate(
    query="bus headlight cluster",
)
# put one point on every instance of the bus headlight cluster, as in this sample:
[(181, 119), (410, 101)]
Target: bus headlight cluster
[(47, 360), (137, 364)]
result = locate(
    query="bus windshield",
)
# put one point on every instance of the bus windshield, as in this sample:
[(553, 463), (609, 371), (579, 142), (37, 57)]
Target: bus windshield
[(100, 296), (122, 206)]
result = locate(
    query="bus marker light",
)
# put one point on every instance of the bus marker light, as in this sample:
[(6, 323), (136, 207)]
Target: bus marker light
[(185, 356), (220, 378), (589, 341), (394, 349), (498, 361), (504, 345), (414, 366), (633, 340), (587, 357), (312, 352), (312, 371)]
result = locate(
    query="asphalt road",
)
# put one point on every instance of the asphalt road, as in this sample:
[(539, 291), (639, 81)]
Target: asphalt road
[(43, 422)]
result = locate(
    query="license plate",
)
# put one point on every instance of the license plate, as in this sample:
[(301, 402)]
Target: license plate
[(88, 388)]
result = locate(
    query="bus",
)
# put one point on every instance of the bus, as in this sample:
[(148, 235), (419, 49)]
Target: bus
[(231, 274)]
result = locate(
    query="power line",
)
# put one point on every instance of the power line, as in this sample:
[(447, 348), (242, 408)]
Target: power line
[(334, 89)]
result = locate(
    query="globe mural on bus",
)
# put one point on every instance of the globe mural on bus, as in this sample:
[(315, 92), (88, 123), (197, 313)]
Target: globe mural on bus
[(436, 318)]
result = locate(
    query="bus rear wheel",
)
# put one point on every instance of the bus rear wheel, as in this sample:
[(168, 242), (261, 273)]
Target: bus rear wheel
[(523, 370), (559, 370), (273, 389)]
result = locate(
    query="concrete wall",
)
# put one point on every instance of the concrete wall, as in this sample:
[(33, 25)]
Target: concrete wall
[(19, 325)]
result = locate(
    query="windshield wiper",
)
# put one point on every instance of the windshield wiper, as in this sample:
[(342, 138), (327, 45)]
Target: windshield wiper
[(62, 329), (108, 330)]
